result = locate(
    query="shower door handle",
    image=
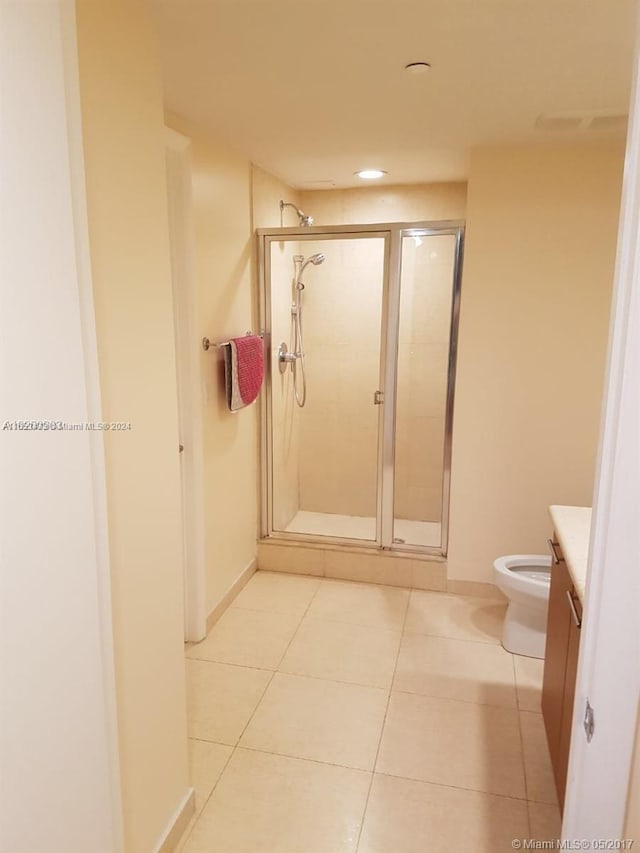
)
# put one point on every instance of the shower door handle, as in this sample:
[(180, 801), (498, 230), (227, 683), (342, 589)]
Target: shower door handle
[(378, 398)]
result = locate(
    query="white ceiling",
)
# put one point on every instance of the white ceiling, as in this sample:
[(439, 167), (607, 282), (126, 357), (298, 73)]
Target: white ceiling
[(313, 90)]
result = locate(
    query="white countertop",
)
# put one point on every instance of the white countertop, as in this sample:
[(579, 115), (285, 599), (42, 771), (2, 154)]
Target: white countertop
[(572, 525)]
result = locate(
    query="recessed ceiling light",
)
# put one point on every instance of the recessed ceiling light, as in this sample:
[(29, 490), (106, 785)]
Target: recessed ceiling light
[(370, 174), (417, 67)]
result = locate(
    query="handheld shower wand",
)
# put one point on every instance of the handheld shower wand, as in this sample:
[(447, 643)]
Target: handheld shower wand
[(305, 220), (295, 358), (314, 259)]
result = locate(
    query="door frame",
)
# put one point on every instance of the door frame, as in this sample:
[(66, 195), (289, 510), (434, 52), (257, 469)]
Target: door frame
[(609, 664), (393, 234), (181, 232)]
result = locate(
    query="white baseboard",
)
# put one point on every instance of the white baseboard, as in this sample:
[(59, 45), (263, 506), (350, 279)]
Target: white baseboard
[(178, 823), (234, 590)]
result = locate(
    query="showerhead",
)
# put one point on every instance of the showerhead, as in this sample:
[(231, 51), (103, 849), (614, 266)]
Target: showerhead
[(316, 259), (305, 220)]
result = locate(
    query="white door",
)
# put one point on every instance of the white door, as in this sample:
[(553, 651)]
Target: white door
[(187, 371)]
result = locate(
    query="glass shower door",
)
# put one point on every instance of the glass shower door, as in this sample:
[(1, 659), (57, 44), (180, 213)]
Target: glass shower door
[(327, 297), (427, 303)]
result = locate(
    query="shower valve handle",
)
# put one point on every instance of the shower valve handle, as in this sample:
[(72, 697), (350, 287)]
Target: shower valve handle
[(285, 357)]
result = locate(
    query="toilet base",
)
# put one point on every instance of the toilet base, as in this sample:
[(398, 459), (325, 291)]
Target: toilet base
[(525, 630)]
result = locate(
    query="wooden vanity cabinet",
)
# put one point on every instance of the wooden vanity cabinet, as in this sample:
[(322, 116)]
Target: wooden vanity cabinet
[(560, 667)]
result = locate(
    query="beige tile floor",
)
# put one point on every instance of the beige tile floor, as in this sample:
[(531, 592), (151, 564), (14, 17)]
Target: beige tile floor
[(333, 717)]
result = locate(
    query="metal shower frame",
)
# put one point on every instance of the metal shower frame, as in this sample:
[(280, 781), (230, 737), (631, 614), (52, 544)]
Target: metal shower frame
[(392, 233)]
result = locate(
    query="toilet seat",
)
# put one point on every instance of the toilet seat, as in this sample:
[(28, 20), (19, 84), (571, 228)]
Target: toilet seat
[(529, 574), (526, 581)]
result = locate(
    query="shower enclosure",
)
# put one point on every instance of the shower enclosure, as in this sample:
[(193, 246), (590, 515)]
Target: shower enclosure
[(361, 326)]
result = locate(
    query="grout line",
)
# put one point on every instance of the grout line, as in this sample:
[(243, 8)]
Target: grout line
[(214, 742), (524, 766), (369, 626), (384, 722), (304, 758), (363, 770), (452, 787), (276, 670), (226, 663), (185, 839), (512, 708), (456, 639), (495, 642), (273, 612), (234, 748), (267, 685), (369, 686), (358, 684), (287, 672), (480, 599), (295, 634), (366, 585)]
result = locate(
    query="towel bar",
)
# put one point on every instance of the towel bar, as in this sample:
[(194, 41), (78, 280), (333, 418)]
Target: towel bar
[(207, 344)]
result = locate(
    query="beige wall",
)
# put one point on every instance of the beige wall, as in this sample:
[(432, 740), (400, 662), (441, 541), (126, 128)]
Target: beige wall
[(266, 194), (126, 194), (386, 204), (539, 260), (221, 186)]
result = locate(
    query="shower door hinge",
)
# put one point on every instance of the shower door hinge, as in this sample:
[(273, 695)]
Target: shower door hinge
[(589, 721), (378, 398)]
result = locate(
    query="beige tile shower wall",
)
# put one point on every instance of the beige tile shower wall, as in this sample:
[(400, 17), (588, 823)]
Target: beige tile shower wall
[(539, 262), (266, 194), (338, 463), (339, 424)]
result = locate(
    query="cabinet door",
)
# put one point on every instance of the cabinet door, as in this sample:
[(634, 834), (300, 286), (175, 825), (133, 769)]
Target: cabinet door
[(555, 659), (569, 695)]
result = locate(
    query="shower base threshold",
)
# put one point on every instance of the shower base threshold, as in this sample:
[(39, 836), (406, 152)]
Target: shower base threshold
[(425, 533)]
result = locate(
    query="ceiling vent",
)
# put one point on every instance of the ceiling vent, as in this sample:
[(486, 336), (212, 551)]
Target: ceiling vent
[(581, 122), (558, 123), (610, 123), (318, 185)]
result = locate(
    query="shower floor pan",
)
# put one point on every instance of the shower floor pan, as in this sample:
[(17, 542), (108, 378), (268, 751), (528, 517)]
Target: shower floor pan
[(426, 533)]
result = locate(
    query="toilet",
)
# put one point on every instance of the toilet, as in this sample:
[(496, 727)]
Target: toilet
[(525, 579)]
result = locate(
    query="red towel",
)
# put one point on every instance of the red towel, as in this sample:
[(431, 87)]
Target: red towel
[(250, 353)]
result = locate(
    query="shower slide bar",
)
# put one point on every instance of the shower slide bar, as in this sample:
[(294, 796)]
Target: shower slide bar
[(207, 344)]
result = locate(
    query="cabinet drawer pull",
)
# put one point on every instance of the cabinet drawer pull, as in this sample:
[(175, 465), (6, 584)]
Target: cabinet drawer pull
[(574, 612), (554, 553)]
